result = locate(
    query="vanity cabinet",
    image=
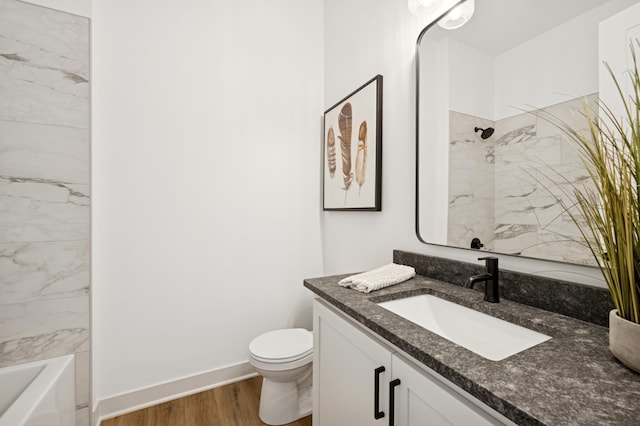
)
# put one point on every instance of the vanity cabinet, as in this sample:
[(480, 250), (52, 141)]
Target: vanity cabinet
[(356, 372), (344, 367)]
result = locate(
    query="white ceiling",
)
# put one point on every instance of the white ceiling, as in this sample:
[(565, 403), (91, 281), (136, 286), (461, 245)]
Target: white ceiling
[(499, 25)]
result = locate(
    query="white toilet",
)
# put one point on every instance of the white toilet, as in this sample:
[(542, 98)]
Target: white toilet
[(284, 359)]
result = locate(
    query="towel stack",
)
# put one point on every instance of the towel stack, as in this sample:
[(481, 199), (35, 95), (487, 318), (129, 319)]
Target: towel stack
[(378, 278)]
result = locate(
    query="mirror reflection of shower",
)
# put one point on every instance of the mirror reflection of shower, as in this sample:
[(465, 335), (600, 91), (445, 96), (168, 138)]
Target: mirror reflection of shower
[(494, 188), (486, 133)]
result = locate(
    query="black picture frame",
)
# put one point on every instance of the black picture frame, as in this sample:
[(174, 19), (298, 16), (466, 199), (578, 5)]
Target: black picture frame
[(352, 172)]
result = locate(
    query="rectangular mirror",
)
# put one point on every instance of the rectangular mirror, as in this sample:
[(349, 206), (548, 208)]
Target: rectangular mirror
[(483, 152)]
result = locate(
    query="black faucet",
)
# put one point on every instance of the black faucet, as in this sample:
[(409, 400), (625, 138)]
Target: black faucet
[(490, 288)]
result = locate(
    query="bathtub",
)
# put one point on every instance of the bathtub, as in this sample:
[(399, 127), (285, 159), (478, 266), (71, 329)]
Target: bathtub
[(40, 393)]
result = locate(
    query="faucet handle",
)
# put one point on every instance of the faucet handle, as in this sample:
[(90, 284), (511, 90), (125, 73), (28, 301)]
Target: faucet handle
[(488, 258), (491, 264)]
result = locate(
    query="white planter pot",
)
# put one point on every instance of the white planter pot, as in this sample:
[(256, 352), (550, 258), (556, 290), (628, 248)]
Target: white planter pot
[(624, 340)]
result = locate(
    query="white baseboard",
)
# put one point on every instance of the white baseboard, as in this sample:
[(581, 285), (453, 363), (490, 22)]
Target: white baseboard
[(142, 398)]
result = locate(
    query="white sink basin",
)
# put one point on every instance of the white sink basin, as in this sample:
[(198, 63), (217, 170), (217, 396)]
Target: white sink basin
[(490, 337)]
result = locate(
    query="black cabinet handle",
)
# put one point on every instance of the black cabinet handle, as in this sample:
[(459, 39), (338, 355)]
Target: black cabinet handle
[(377, 414), (392, 400)]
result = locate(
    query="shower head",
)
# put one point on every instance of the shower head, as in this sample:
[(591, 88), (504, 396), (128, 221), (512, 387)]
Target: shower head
[(486, 133)]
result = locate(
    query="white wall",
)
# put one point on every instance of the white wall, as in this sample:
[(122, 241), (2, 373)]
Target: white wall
[(364, 38), (618, 30), (472, 85), (206, 144), (557, 66), (434, 109)]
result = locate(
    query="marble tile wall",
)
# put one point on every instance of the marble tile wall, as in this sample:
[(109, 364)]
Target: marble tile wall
[(535, 168), (44, 188), (505, 189), (471, 182)]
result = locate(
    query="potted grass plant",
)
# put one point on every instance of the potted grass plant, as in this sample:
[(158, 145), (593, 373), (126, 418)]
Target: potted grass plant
[(607, 210)]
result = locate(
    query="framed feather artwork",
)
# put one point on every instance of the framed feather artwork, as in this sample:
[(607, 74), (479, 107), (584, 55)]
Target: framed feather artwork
[(352, 150)]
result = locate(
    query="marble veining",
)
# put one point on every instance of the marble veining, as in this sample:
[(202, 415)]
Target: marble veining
[(571, 379), (45, 188), (516, 138), (35, 209), (542, 170), (509, 190), (471, 182), (55, 153), (43, 346), (44, 67), (43, 329), (43, 270)]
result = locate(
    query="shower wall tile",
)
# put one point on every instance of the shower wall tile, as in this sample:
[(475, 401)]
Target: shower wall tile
[(468, 224), (41, 271), (44, 67), (514, 238), (514, 196), (541, 168), (520, 200), (570, 112), (471, 181), (556, 246), (43, 210), (43, 329), (510, 190), (45, 189), (529, 151), (48, 152)]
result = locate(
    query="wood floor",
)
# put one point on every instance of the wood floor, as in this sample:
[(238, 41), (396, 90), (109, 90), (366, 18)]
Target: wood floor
[(232, 405)]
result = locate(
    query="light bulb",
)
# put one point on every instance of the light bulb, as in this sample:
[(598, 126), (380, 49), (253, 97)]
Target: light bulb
[(458, 16), (454, 14)]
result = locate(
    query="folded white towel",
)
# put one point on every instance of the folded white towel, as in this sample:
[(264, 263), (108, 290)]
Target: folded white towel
[(378, 278)]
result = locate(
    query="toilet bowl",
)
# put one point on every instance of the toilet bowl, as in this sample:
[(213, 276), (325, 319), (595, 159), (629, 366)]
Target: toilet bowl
[(284, 359)]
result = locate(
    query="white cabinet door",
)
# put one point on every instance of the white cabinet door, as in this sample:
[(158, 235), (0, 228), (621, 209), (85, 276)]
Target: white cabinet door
[(344, 391), (423, 399), (344, 364)]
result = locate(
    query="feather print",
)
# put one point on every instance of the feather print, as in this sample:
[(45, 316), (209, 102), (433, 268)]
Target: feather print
[(361, 156), (344, 122), (331, 152)]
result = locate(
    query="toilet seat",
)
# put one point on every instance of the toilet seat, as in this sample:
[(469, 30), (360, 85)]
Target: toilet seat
[(264, 366), (282, 346)]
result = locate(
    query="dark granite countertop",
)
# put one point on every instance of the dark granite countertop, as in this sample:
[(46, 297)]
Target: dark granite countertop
[(571, 379)]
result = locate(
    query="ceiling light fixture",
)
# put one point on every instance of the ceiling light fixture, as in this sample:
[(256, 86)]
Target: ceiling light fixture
[(458, 16)]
